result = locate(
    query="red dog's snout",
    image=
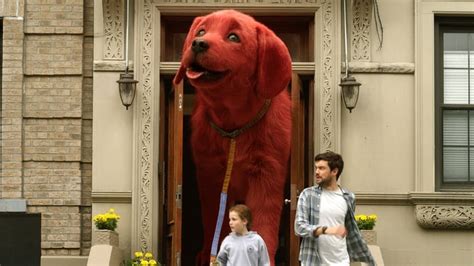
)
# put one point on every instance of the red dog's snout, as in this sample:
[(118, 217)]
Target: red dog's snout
[(199, 46)]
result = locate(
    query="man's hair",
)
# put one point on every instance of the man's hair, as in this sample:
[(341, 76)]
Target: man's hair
[(244, 213), (334, 161)]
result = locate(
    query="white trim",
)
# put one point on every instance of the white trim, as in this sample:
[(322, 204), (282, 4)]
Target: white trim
[(424, 87)]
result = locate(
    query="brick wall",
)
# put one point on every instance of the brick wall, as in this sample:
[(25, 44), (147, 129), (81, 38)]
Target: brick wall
[(53, 96), (12, 101), (47, 117)]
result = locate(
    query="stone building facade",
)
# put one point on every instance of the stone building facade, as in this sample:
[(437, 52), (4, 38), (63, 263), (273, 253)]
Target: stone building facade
[(70, 149), (46, 142)]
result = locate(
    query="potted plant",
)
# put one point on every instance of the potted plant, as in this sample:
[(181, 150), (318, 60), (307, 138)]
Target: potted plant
[(106, 224), (142, 259), (366, 224)]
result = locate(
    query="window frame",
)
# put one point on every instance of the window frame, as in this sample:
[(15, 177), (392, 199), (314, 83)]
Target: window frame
[(447, 24)]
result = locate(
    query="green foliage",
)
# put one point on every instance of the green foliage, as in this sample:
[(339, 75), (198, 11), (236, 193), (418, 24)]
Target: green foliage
[(366, 222)]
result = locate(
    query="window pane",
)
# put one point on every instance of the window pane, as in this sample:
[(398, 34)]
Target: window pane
[(471, 50), (456, 59), (455, 164), (455, 50), (455, 128), (471, 164), (455, 86), (471, 84)]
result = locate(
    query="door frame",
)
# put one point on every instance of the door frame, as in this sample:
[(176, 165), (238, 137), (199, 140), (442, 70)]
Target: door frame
[(147, 69)]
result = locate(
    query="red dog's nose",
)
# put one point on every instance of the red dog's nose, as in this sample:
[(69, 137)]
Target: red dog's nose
[(199, 46)]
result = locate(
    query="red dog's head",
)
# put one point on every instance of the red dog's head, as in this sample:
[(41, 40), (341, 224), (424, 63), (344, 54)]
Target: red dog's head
[(228, 50)]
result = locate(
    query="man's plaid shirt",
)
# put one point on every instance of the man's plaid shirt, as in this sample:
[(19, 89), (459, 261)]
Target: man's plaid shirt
[(307, 220)]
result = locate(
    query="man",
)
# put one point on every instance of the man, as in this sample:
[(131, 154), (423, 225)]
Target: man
[(325, 219)]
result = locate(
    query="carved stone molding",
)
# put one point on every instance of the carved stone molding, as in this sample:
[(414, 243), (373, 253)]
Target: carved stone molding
[(445, 217), (142, 233), (329, 74), (360, 33), (113, 11)]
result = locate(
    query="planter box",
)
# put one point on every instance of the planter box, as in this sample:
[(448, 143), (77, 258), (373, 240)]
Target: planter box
[(105, 237), (370, 236)]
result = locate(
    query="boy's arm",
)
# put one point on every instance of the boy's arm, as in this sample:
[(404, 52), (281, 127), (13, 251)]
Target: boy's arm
[(263, 258), (223, 256)]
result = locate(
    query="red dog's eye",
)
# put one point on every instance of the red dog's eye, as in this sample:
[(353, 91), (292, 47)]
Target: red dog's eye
[(233, 37), (200, 33)]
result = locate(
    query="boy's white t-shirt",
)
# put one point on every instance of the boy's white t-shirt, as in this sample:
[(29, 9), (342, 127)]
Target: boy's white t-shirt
[(332, 212)]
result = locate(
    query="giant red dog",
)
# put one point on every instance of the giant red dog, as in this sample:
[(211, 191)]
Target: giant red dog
[(240, 70)]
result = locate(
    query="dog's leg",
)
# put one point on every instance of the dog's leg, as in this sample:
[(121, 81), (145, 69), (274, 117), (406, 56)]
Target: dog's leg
[(265, 199)]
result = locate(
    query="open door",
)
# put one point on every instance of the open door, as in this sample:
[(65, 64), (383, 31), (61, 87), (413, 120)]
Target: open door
[(172, 148), (301, 165)]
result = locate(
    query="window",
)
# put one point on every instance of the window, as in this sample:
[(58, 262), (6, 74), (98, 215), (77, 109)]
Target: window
[(454, 60)]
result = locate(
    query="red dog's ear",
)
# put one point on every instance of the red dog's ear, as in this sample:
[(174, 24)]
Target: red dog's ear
[(189, 39), (274, 63)]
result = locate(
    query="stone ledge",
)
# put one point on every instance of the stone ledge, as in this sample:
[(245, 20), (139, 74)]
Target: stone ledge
[(111, 197), (381, 67), (433, 210), (63, 260), (12, 205), (111, 66), (415, 198)]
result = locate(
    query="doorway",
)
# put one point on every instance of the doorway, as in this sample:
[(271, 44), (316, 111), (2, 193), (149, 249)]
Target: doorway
[(180, 211)]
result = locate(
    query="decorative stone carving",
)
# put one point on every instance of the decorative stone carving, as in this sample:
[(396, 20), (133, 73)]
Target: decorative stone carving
[(445, 217), (360, 33), (144, 185), (113, 11), (328, 90)]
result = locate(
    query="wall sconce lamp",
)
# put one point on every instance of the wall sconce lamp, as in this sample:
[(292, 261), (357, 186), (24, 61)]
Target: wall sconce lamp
[(127, 88), (350, 92), (127, 85), (349, 85)]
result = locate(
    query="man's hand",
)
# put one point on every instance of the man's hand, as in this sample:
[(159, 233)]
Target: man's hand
[(339, 230)]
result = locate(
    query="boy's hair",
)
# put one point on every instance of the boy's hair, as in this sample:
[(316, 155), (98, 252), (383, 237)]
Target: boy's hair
[(244, 213), (334, 161)]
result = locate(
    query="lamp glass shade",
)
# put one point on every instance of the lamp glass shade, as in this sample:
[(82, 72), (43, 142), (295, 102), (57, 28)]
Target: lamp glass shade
[(350, 92), (127, 89)]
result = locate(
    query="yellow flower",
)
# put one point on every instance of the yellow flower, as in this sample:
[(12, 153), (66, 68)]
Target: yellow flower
[(144, 262), (366, 222), (138, 254), (152, 262), (148, 255)]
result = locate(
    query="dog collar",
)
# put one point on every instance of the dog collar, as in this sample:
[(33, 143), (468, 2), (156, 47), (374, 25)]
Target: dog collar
[(251, 123)]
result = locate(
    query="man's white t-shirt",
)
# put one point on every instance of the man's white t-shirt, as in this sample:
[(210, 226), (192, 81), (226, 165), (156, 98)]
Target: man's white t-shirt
[(333, 209)]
